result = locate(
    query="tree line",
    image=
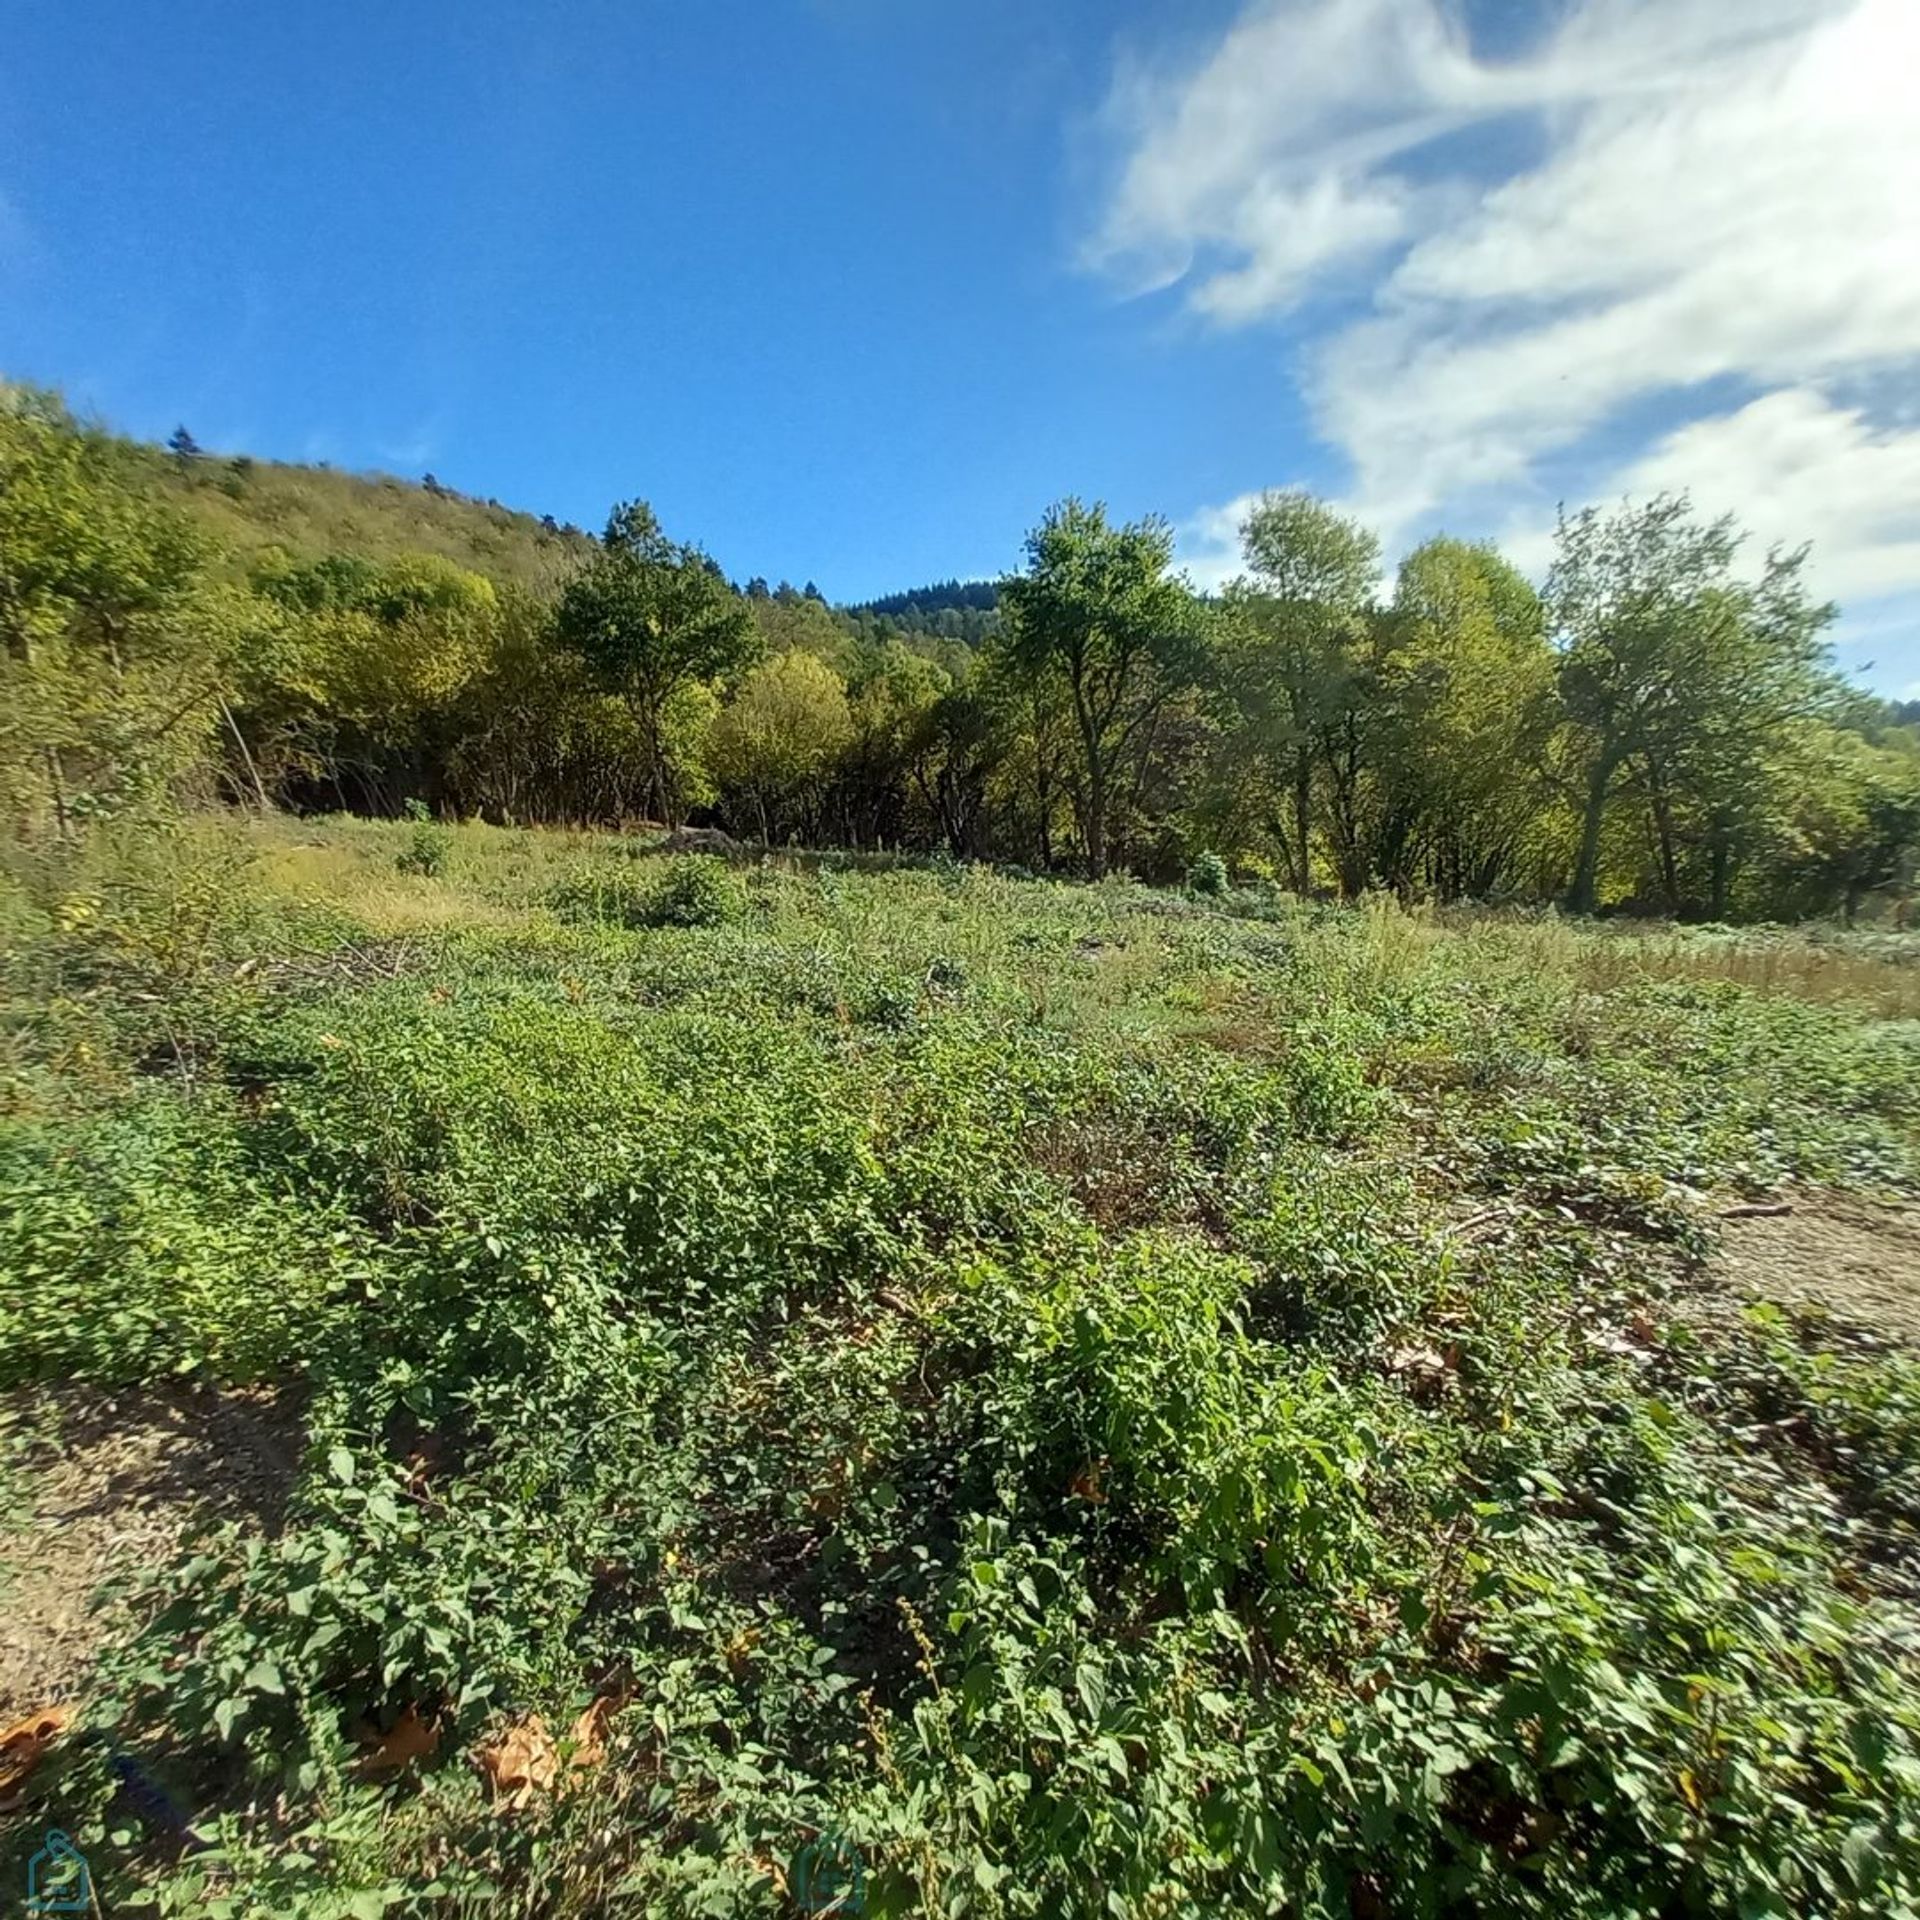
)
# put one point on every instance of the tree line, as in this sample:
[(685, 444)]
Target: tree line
[(1660, 727)]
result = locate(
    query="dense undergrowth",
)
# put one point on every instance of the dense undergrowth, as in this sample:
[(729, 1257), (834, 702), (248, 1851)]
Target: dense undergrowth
[(1078, 1400)]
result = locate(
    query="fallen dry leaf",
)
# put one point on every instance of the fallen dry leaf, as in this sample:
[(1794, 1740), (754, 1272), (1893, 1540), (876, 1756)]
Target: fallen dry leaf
[(590, 1730), (27, 1742), (1422, 1370), (1085, 1484), (520, 1762), (410, 1738)]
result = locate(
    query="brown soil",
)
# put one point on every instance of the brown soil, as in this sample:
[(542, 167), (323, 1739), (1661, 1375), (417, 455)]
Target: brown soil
[(117, 1485), (1858, 1258)]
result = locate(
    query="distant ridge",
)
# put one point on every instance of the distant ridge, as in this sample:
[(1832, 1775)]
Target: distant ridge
[(958, 596)]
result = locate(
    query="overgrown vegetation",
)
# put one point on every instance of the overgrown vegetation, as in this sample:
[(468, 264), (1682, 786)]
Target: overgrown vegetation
[(1082, 1400), (1660, 729)]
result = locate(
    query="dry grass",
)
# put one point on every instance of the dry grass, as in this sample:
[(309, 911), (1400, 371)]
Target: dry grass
[(386, 904), (1785, 962), (1878, 972)]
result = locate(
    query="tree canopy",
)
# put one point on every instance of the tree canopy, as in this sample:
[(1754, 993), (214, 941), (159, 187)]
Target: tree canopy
[(1660, 729), (651, 617)]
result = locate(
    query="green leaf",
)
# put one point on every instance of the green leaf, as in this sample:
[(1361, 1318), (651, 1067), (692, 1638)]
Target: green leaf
[(1091, 1685), (264, 1677), (1860, 1852)]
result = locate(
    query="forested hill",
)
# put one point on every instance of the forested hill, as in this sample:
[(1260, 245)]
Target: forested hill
[(953, 609), (246, 506), (961, 595), (177, 625)]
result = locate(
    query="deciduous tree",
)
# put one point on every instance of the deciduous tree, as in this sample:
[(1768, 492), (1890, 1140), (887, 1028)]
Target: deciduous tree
[(1673, 665), (651, 617), (774, 745), (1293, 627), (1098, 607)]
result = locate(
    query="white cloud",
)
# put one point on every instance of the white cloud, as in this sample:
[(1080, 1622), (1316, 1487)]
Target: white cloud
[(1271, 155), (1713, 193), (1795, 467), (1209, 542)]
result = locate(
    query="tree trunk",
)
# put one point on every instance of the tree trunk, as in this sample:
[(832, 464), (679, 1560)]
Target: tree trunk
[(1093, 822), (1586, 871), (58, 787), (1302, 820), (1663, 832), (239, 740), (1043, 794)]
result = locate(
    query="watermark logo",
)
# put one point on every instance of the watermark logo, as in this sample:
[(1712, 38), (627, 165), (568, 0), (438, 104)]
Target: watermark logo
[(57, 1878), (827, 1879)]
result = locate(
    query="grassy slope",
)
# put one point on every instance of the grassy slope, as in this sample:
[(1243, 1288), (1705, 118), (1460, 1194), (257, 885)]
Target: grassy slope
[(312, 511), (1105, 1407)]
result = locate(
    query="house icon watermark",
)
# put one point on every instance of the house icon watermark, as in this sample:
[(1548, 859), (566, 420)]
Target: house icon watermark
[(57, 1878)]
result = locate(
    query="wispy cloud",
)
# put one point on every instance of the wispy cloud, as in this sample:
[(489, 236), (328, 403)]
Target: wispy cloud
[(412, 450), (1675, 242)]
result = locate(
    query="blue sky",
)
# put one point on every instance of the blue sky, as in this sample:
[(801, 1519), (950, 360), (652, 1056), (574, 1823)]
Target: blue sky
[(851, 289)]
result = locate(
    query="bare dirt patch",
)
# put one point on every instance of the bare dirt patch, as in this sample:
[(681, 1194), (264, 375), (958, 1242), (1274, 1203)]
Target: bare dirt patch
[(1857, 1257), (115, 1484)]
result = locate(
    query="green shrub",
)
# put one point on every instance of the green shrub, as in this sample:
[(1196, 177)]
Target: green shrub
[(1095, 1405), (1208, 876), (689, 890), (427, 843), (696, 890)]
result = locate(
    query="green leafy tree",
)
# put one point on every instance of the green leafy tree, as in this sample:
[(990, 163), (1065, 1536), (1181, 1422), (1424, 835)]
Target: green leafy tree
[(1289, 653), (1025, 694), (1841, 822), (889, 699), (109, 684), (1675, 667), (1469, 681), (363, 679), (773, 747), (1098, 608), (652, 618), (958, 744), (789, 622)]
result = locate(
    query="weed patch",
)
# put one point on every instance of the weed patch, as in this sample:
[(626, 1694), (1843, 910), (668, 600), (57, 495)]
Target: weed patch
[(1077, 1400)]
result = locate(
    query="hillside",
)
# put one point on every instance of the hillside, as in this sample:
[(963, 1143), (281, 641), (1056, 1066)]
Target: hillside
[(246, 505), (965, 610), (1464, 738)]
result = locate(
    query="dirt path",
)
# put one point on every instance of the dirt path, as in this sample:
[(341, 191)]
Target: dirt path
[(116, 1488), (1857, 1257)]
